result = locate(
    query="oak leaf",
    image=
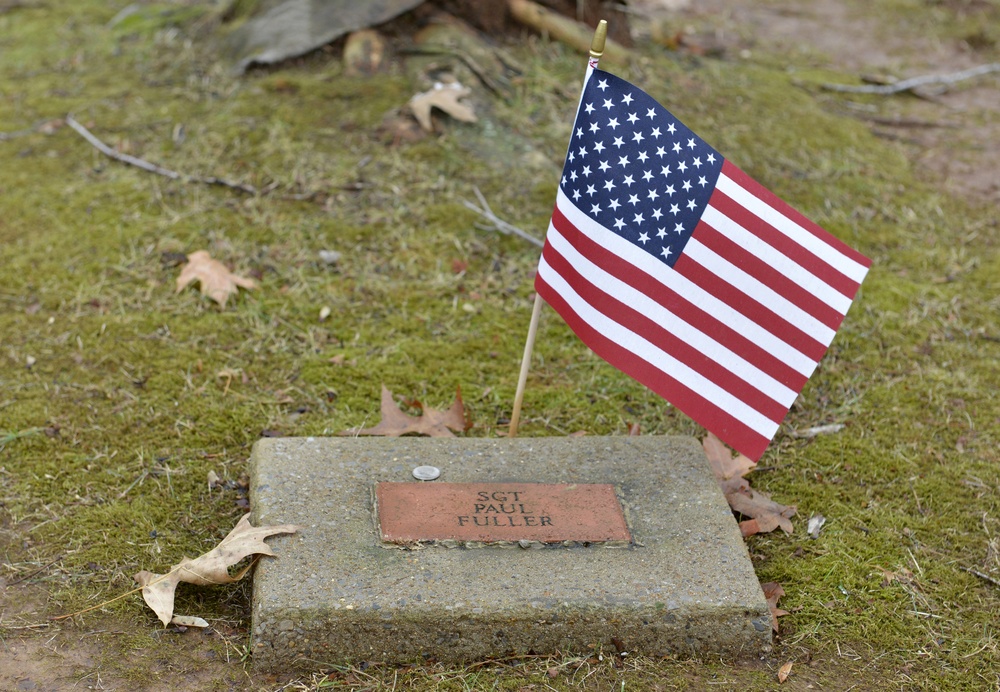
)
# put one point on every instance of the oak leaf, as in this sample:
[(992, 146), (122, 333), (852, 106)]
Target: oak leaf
[(217, 282), (207, 569), (728, 469), (430, 422), (763, 514), (443, 96), (773, 592)]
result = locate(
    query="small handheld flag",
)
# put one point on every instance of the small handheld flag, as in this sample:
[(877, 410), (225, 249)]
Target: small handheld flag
[(677, 268)]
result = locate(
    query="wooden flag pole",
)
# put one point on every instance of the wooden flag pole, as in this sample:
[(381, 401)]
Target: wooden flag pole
[(522, 379), (596, 51)]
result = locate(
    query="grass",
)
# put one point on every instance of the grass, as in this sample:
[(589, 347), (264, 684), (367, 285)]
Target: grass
[(107, 437)]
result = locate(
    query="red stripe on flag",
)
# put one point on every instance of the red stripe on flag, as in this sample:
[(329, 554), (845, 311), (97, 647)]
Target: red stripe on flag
[(783, 244), (765, 195), (767, 275), (748, 307), (724, 426), (672, 343), (704, 321)]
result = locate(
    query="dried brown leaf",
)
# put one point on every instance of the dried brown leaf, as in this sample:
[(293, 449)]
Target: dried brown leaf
[(757, 505), (725, 465), (764, 514), (431, 422), (445, 97), (207, 569), (903, 577), (217, 282), (772, 593)]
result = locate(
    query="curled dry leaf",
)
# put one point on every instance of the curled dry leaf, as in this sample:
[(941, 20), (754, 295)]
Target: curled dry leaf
[(903, 577), (764, 514), (207, 569), (725, 465), (772, 593), (443, 96), (217, 282), (430, 422)]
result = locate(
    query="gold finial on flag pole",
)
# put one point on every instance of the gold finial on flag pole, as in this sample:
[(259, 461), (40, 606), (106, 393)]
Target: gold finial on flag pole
[(596, 51), (600, 37)]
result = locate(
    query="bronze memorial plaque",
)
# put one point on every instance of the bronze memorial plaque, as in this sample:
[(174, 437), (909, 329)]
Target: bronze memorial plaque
[(493, 512)]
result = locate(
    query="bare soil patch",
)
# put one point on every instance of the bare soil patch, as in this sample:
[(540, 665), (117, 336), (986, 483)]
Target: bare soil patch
[(952, 135)]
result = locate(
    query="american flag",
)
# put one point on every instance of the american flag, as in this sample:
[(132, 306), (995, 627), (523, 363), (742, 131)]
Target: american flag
[(677, 268)]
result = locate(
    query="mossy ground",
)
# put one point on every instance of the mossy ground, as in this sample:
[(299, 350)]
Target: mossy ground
[(135, 393)]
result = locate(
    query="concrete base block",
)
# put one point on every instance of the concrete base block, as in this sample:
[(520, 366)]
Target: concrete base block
[(337, 594)]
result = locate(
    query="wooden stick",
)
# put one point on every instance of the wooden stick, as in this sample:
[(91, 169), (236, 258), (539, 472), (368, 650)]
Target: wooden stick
[(44, 126), (914, 82), (984, 577), (522, 379), (498, 224), (152, 167), (572, 33), (37, 571), (597, 45)]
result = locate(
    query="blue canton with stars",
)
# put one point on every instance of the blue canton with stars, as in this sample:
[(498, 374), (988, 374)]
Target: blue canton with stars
[(637, 170)]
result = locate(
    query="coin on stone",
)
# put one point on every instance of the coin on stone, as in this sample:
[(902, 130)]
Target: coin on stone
[(426, 473)]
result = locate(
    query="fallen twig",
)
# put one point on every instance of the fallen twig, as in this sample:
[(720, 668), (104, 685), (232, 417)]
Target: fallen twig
[(500, 87), (44, 126), (40, 625), (572, 33), (35, 572), (498, 223), (897, 121), (817, 430), (152, 167), (981, 575), (914, 82)]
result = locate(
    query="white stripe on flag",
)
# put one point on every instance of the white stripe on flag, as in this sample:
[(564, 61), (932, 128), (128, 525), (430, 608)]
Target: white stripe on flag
[(786, 266), (655, 356), (769, 215), (688, 333), (750, 286), (689, 291)]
